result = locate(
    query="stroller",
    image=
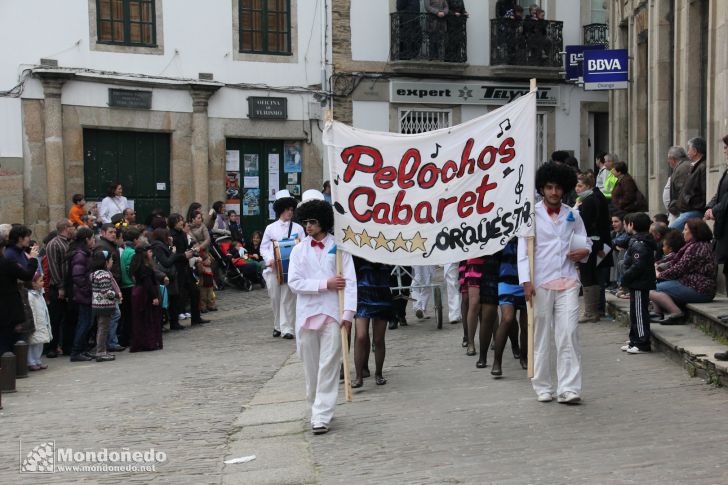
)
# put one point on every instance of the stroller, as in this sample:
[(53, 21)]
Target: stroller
[(226, 272)]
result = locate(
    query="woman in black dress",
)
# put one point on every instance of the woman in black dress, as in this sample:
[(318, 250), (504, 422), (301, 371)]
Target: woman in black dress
[(375, 305)]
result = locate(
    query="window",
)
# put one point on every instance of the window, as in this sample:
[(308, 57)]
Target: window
[(126, 22), (265, 26), (413, 121)]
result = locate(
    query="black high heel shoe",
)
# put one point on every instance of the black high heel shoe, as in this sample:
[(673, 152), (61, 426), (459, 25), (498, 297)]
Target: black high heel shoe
[(496, 371)]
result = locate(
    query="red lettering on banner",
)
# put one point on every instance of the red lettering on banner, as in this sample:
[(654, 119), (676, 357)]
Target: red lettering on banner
[(484, 187), (368, 192), (427, 217), (491, 153), (381, 213), (465, 160), (433, 171), (464, 209), (384, 177), (399, 207), (404, 178), (351, 156), (442, 205), (506, 150), (452, 167)]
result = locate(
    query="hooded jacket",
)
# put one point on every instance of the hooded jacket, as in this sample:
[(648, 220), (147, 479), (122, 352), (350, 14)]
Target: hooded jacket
[(639, 263)]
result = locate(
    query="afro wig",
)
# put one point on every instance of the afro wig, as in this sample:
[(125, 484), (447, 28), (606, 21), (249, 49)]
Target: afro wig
[(280, 205), (319, 210), (555, 173)]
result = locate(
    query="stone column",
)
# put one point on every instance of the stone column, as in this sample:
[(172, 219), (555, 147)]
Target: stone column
[(55, 170), (200, 153)]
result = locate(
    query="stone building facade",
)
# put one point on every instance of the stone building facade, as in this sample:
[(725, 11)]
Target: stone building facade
[(678, 75)]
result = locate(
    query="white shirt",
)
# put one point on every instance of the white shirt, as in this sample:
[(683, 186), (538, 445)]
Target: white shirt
[(307, 274), (111, 206), (666, 194), (551, 249), (601, 178), (277, 231)]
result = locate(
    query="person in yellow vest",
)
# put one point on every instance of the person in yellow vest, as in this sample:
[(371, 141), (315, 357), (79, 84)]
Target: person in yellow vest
[(610, 180)]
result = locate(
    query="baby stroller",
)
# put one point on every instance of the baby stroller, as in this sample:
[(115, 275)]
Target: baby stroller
[(226, 273)]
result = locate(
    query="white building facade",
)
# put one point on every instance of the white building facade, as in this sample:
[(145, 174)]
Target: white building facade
[(179, 101)]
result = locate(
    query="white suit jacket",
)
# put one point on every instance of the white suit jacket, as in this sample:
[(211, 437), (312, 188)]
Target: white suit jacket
[(277, 231), (306, 274), (551, 248)]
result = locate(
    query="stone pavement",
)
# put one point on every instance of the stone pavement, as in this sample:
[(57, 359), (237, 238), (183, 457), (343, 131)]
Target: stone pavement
[(229, 390)]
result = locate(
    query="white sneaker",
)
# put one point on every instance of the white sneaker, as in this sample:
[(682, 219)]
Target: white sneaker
[(568, 397), (182, 316), (625, 348), (635, 350), (545, 397)]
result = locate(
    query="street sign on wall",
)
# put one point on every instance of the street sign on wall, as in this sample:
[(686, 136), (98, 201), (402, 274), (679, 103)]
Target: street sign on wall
[(606, 69), (573, 60)]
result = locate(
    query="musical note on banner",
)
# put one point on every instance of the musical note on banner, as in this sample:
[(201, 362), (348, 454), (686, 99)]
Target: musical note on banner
[(519, 185), (437, 150), (336, 180), (507, 122), (507, 172)]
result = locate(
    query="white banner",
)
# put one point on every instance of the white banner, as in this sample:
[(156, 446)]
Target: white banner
[(438, 197)]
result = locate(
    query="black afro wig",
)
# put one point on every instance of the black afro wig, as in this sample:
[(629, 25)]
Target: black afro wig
[(280, 205), (555, 173), (319, 210)]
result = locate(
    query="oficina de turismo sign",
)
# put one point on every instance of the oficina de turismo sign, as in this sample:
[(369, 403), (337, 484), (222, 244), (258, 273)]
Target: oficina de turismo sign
[(606, 69)]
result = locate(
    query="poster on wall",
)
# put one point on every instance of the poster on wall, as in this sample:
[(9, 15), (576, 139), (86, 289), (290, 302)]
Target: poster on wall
[(232, 160), (251, 182), (251, 202), (273, 160), (250, 164), (232, 205), (295, 190), (292, 156), (292, 178), (232, 185), (271, 212)]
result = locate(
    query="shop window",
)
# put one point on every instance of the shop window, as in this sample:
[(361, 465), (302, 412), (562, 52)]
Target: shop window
[(413, 121), (265, 27), (126, 22)]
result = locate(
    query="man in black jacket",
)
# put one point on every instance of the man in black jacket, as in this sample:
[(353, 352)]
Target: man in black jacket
[(410, 29), (691, 202), (639, 277), (185, 280)]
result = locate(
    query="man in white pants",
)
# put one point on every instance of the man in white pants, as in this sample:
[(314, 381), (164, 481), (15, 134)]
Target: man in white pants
[(422, 277), (561, 242), (282, 299), (453, 292)]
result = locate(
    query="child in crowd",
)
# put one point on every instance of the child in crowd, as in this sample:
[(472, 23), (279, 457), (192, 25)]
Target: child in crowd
[(620, 240), (105, 295), (662, 218), (671, 244), (42, 333), (206, 283), (314, 280), (77, 210), (639, 277)]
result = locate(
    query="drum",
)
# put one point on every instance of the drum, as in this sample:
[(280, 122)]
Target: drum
[(282, 254)]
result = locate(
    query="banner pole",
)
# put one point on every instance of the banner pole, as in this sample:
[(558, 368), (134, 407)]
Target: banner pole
[(344, 335), (530, 249)]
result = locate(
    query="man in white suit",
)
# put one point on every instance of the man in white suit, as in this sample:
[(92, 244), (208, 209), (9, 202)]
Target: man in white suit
[(561, 242), (313, 278)]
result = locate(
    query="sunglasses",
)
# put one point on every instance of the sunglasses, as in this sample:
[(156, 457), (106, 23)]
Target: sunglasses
[(313, 222)]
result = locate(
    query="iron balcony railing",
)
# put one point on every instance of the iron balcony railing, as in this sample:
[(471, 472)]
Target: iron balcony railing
[(526, 42), (596, 34), (426, 37)]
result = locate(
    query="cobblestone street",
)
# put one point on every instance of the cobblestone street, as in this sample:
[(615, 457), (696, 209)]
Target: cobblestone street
[(229, 390)]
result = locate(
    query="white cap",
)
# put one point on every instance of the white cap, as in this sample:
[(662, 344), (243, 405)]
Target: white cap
[(282, 193), (312, 194)]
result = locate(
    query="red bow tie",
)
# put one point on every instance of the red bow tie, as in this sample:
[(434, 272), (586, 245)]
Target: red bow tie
[(551, 211), (315, 243)]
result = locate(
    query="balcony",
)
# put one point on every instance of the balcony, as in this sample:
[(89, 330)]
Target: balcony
[(423, 41), (596, 34), (532, 43)]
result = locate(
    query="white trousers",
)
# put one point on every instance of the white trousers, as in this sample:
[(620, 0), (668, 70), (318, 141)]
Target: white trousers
[(283, 302), (453, 291), (320, 351), (422, 275), (556, 313)]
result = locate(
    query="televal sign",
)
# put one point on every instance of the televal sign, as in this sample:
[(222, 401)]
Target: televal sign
[(606, 69)]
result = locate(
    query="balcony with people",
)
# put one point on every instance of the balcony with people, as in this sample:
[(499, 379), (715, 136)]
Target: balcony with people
[(520, 38), (425, 38)]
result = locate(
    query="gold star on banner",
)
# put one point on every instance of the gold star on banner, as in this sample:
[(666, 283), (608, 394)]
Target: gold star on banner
[(349, 235), (365, 239), (382, 242), (418, 242), (400, 242)]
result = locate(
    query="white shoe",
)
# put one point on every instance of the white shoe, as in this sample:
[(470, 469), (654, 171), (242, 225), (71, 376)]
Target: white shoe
[(420, 314), (568, 397), (545, 397), (182, 316), (636, 350), (625, 347)]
